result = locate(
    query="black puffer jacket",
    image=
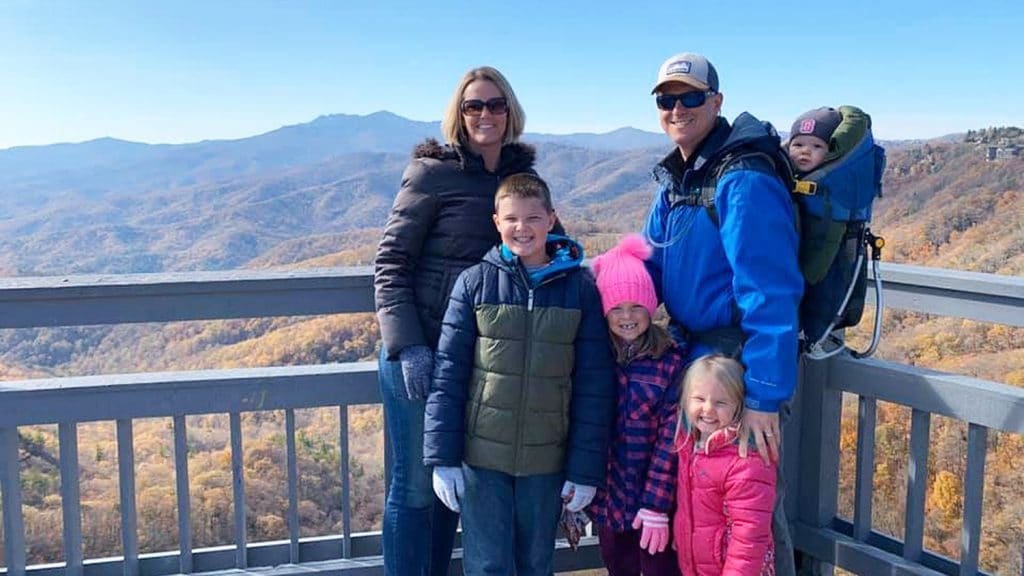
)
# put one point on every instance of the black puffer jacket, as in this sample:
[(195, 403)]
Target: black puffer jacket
[(440, 224)]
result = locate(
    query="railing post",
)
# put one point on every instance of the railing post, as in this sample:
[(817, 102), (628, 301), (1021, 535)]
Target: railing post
[(792, 426), (820, 414), (70, 496), (126, 485), (917, 483), (184, 497), (346, 499), (866, 418), (10, 488), (238, 492), (974, 487), (293, 486)]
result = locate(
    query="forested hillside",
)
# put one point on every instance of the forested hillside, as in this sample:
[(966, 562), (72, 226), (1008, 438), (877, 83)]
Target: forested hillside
[(944, 206)]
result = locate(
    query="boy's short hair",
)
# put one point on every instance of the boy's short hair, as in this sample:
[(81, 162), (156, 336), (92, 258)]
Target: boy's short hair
[(524, 185)]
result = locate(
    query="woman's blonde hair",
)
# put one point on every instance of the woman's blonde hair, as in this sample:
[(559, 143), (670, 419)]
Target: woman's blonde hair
[(453, 126), (726, 372), (652, 343)]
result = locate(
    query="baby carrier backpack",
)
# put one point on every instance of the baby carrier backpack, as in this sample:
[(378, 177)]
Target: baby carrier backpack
[(833, 207), (835, 203)]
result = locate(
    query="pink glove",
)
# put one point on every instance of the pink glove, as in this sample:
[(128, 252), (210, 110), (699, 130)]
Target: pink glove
[(654, 536)]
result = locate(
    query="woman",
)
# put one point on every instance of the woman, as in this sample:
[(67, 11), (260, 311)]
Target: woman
[(439, 225)]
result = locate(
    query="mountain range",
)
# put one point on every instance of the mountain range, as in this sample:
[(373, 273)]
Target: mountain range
[(295, 193), (113, 206), (110, 165)]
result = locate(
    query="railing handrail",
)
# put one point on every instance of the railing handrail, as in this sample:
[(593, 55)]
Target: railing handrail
[(116, 396), (990, 404), (42, 301), (51, 301)]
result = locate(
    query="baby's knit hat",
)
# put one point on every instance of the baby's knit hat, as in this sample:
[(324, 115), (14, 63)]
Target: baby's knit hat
[(621, 276), (820, 122)]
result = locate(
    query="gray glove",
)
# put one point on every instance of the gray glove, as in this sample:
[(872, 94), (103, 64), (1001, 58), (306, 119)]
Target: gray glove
[(577, 496), (417, 369), (449, 485)]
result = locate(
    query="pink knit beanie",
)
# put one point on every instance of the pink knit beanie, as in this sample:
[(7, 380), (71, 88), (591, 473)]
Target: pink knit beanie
[(621, 276)]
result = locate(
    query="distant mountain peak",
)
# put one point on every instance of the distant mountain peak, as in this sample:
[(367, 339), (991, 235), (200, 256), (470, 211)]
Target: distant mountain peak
[(384, 114)]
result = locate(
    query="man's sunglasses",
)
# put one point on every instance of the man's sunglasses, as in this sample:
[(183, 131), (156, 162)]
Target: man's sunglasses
[(496, 106), (687, 99)]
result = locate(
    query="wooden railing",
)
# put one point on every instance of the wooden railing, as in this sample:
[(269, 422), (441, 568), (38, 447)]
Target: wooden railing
[(812, 436)]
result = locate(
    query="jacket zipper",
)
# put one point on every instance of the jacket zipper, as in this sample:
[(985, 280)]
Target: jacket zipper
[(526, 369), (689, 520), (526, 360)]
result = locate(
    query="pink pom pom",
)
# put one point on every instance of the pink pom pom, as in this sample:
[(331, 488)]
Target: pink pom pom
[(636, 246)]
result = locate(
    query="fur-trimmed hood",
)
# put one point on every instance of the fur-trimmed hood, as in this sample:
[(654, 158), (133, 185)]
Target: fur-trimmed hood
[(515, 157)]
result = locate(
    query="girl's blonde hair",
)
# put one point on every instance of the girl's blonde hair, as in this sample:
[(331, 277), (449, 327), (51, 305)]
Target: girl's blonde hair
[(726, 372), (453, 125), (652, 343)]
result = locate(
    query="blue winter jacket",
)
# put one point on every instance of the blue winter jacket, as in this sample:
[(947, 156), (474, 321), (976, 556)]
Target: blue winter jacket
[(523, 381), (743, 272)]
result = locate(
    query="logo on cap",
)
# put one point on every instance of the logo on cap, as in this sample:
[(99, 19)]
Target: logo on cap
[(678, 67), (807, 126)]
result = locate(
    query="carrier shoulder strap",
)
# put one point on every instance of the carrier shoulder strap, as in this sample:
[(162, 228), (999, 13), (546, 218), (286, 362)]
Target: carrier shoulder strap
[(751, 159)]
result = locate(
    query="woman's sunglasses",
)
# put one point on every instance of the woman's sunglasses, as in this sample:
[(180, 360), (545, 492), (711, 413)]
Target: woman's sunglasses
[(687, 99), (496, 106)]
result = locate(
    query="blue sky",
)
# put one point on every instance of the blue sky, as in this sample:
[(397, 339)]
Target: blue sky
[(184, 71)]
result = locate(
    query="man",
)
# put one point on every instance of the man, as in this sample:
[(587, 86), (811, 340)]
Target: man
[(725, 261)]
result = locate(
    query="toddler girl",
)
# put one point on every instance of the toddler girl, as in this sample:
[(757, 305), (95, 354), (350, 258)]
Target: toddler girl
[(722, 524)]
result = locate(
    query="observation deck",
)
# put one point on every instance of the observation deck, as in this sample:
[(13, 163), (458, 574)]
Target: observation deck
[(812, 436)]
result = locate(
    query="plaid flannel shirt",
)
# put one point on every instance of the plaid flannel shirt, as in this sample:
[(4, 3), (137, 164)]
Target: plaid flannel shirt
[(641, 461)]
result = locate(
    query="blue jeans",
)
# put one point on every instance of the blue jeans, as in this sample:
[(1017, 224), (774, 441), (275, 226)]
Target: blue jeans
[(418, 529), (509, 523)]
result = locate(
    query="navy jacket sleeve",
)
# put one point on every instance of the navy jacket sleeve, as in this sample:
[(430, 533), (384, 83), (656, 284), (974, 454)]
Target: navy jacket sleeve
[(761, 244), (592, 408), (444, 421), (411, 219)]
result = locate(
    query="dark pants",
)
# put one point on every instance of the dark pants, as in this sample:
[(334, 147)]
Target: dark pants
[(623, 556), (418, 529)]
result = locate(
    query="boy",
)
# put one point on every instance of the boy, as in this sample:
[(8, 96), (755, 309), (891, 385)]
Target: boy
[(809, 138), (523, 396)]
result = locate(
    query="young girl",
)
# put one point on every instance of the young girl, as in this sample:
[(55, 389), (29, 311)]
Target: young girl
[(722, 525), (631, 509)]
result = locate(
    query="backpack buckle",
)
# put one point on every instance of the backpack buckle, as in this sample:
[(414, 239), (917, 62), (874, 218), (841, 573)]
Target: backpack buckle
[(805, 187)]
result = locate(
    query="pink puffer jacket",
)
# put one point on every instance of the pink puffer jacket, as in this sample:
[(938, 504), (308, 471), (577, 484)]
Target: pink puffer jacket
[(723, 519)]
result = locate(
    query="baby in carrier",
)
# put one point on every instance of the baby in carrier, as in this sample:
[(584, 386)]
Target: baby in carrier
[(838, 168), (809, 138)]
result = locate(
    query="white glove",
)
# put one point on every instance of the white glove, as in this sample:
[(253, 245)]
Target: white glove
[(579, 495), (449, 485)]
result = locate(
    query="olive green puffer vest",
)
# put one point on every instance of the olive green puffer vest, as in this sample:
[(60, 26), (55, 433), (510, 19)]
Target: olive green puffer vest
[(517, 415)]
